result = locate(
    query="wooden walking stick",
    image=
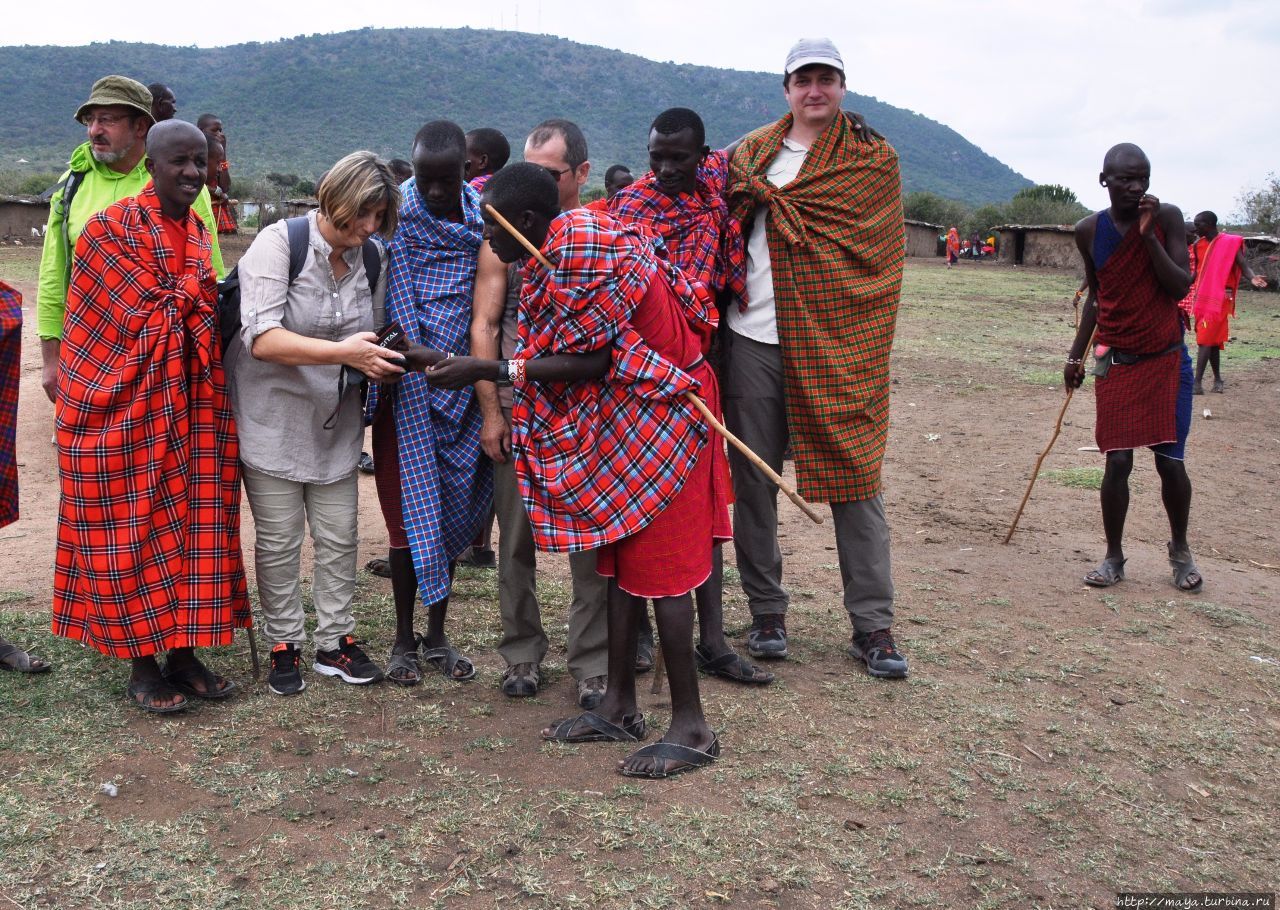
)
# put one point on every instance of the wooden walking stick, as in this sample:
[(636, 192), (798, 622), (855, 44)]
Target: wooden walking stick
[(693, 399), (253, 653), (659, 669), (1057, 429)]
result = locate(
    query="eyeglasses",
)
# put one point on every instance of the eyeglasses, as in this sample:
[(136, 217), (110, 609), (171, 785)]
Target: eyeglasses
[(556, 175), (107, 120)]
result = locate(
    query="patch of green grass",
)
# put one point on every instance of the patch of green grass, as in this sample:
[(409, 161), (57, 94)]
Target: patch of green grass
[(1078, 478)]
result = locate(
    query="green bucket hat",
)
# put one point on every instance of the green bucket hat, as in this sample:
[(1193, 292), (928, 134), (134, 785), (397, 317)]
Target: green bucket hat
[(118, 90)]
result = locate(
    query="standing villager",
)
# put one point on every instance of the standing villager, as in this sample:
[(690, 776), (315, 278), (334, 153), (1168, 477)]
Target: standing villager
[(148, 557), (560, 149), (11, 656), (682, 202), (953, 246), (219, 180), (434, 483), (1217, 265), (1135, 260), (163, 102), (808, 349), (110, 166), (299, 414), (610, 456)]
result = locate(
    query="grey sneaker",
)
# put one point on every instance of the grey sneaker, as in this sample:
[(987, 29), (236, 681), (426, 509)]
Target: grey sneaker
[(880, 654), (768, 636)]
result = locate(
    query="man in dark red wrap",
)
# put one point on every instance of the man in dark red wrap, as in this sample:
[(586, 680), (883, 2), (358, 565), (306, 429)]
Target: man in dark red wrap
[(1135, 260), (610, 456), (148, 556)]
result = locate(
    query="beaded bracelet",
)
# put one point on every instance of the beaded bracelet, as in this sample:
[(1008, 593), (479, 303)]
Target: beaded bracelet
[(515, 369), (1072, 361)]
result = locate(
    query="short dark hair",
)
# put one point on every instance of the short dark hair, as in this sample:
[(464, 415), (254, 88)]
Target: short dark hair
[(402, 169), (156, 88), (786, 77), (441, 136), (575, 144), (205, 119), (615, 169), (1209, 218), (522, 186), (675, 119), (492, 143)]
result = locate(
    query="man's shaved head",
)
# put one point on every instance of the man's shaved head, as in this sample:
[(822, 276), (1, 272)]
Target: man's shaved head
[(1124, 153), (168, 132)]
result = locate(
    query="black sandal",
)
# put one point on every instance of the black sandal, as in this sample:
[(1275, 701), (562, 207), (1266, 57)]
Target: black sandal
[(151, 691), (183, 680), (731, 666), (602, 731), (1183, 569), (1109, 572), (691, 759)]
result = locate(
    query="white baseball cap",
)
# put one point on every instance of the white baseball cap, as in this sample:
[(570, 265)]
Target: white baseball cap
[(810, 51)]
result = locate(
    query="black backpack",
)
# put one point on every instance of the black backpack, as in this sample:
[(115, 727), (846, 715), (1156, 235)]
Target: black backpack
[(299, 235)]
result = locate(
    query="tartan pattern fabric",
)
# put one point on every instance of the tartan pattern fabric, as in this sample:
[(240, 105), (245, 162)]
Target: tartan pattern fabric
[(703, 239), (597, 460), (10, 375), (148, 553), (1136, 403), (446, 482), (837, 248), (1188, 304)]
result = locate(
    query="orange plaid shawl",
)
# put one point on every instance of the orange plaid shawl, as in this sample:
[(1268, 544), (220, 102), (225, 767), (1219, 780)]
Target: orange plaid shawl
[(837, 248)]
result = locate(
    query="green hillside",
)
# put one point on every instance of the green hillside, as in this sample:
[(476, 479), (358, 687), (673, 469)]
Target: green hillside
[(297, 105)]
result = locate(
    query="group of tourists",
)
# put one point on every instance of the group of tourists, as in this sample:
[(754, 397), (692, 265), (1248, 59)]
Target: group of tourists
[(521, 358), (513, 350)]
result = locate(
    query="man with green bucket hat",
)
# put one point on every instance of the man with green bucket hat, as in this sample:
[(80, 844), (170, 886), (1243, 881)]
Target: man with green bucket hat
[(108, 167)]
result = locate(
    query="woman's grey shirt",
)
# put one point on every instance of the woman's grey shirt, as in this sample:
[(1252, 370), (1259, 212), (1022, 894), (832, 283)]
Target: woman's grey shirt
[(281, 410)]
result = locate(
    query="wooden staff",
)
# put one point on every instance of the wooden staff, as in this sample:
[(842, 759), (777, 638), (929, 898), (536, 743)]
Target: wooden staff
[(693, 399), (659, 668), (1057, 429)]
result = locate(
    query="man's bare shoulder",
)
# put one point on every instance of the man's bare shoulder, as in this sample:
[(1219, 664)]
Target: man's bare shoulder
[(1086, 225)]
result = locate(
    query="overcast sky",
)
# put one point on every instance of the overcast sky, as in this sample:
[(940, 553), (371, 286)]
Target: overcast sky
[(1046, 87)]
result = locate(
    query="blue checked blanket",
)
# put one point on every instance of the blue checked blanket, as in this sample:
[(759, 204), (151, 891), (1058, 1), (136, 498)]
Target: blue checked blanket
[(446, 481)]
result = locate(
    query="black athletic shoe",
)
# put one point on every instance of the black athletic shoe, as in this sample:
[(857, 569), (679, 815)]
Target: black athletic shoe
[(285, 677), (768, 636), (365, 464), (348, 663), (879, 653)]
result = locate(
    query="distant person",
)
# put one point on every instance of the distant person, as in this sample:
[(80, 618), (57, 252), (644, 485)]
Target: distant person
[(219, 179), (163, 103), (807, 351), (148, 556), (681, 200), (1219, 263), (487, 152), (1135, 260), (11, 656), (434, 482), (300, 420), (616, 177), (110, 166), (400, 169), (558, 147), (953, 246)]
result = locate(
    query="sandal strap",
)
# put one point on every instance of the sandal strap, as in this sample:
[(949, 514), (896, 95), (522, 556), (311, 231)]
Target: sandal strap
[(595, 723), (677, 752)]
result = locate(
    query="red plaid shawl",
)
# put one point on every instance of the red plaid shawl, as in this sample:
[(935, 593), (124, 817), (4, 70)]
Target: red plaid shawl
[(148, 551), (1137, 403), (837, 248), (702, 238), (597, 460), (10, 375)]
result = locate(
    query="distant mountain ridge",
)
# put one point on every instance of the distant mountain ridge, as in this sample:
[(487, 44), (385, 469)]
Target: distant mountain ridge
[(297, 105)]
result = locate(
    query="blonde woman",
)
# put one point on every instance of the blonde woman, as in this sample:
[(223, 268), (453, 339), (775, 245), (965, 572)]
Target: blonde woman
[(298, 415)]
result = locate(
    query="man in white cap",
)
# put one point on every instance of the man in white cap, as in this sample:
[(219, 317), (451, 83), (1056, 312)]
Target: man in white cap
[(110, 166), (808, 349)]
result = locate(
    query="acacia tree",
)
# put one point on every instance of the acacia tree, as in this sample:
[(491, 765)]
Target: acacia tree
[(1261, 206)]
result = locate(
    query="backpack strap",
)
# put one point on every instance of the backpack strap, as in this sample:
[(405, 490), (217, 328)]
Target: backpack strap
[(372, 263), (69, 187), (299, 240)]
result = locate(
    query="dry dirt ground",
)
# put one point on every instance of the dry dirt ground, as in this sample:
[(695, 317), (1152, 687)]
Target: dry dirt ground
[(1053, 746)]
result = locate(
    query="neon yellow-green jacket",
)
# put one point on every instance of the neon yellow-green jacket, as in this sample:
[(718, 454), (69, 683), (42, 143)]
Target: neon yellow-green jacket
[(101, 187)]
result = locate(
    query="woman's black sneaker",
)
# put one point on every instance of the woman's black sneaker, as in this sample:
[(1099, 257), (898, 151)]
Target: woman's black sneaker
[(286, 677), (348, 663)]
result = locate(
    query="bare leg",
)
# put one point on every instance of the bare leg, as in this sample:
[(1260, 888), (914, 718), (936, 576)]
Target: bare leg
[(1203, 353), (1215, 361), (146, 671), (404, 588), (1175, 490), (1115, 500), (674, 616)]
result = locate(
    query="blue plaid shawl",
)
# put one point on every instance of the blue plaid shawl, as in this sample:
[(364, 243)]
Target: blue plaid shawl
[(446, 482)]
